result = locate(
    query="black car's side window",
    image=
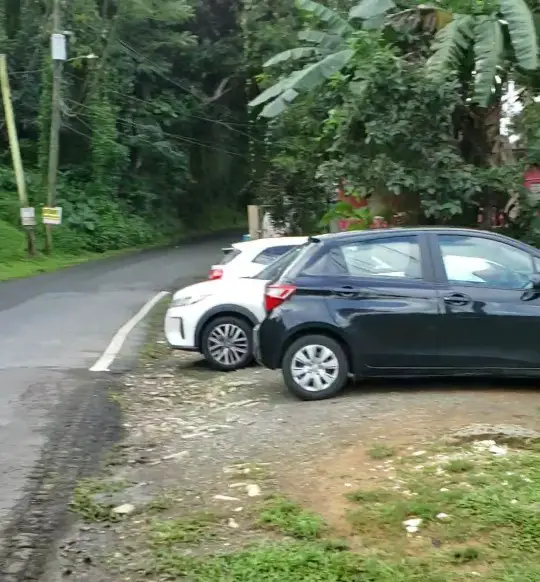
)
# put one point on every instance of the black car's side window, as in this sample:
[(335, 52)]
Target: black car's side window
[(388, 257), (485, 262)]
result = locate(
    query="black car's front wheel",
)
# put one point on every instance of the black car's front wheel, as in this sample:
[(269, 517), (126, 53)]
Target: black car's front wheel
[(315, 367), (227, 343)]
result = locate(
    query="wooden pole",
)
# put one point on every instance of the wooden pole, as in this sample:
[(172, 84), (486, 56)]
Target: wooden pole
[(253, 221), (14, 147), (54, 142)]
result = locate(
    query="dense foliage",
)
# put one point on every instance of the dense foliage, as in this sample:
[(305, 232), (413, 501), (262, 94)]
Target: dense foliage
[(413, 98), (193, 109), (154, 133)]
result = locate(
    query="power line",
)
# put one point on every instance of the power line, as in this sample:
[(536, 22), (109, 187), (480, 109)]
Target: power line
[(226, 124), (174, 82), (186, 114), (191, 141), (28, 72), (130, 123), (143, 126)]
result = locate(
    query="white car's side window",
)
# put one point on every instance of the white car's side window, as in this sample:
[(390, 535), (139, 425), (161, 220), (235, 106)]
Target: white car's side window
[(270, 254), (485, 262)]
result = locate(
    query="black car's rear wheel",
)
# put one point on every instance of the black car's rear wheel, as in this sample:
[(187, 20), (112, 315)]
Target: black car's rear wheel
[(315, 367), (227, 343)]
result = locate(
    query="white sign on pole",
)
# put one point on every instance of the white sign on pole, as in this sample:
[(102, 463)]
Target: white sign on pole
[(28, 216), (58, 47)]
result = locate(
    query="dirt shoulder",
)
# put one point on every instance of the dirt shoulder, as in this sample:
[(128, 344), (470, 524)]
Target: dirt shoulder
[(226, 477)]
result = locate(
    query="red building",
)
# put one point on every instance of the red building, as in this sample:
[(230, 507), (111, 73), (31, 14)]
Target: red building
[(532, 183)]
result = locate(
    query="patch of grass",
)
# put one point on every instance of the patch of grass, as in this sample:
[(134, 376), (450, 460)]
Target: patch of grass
[(488, 502), (459, 466), (159, 504), (290, 519), (116, 455), (380, 451), (155, 347), (28, 267), (251, 471), (15, 265), (390, 515), (292, 562), (41, 264), (374, 496), (115, 397), (465, 555), (84, 503), (187, 530), (480, 521)]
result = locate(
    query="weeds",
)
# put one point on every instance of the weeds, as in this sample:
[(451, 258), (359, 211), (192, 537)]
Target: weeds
[(188, 530), (290, 519), (155, 348), (479, 520), (459, 466), (84, 499), (381, 452)]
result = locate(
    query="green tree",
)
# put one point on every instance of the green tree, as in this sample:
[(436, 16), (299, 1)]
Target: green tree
[(481, 44), (328, 48), (141, 124)]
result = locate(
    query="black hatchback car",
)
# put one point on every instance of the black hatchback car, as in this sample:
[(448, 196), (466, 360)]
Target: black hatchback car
[(407, 302)]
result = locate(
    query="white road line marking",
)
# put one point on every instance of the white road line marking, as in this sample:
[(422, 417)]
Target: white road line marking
[(109, 355)]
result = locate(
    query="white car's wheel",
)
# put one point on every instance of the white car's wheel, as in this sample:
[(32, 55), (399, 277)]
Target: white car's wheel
[(227, 343)]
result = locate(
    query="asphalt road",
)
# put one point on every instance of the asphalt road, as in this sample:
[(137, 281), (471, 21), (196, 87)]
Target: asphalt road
[(54, 413)]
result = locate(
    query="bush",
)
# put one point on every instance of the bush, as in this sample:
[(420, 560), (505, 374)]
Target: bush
[(9, 207), (12, 243), (67, 241)]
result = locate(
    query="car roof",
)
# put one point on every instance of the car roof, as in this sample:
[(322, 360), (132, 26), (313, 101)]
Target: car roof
[(344, 235), (265, 243)]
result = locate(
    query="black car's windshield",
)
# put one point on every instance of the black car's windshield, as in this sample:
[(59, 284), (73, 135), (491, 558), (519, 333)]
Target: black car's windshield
[(275, 269)]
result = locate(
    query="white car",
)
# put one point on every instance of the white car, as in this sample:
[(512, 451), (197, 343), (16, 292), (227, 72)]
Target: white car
[(216, 318), (246, 259)]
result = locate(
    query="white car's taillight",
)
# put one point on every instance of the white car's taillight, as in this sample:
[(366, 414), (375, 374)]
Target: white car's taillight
[(215, 273)]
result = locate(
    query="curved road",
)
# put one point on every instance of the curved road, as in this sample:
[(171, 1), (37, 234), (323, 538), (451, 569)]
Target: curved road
[(55, 415)]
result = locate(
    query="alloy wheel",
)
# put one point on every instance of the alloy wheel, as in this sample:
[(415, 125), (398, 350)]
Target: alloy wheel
[(228, 344), (314, 367)]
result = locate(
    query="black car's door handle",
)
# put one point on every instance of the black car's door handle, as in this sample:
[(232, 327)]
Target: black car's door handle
[(457, 299), (346, 291)]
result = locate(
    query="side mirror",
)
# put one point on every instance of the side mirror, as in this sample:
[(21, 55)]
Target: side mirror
[(535, 281)]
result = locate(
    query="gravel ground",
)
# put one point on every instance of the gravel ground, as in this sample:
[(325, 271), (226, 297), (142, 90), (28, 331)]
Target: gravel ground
[(193, 433)]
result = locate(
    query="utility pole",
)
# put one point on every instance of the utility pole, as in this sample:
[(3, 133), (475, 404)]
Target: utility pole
[(15, 151), (58, 57)]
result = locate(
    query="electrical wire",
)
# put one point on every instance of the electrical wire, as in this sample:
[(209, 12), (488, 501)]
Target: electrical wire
[(191, 141), (226, 124), (143, 126), (153, 68), (189, 115), (28, 72)]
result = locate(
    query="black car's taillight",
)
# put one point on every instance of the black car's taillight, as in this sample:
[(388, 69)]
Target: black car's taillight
[(275, 295)]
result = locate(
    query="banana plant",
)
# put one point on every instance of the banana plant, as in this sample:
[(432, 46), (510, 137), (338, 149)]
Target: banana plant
[(329, 48), (507, 33)]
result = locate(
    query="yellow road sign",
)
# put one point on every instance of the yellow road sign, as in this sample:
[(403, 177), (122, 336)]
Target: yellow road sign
[(52, 215)]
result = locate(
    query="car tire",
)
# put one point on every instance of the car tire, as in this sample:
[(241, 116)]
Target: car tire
[(336, 360), (235, 327)]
